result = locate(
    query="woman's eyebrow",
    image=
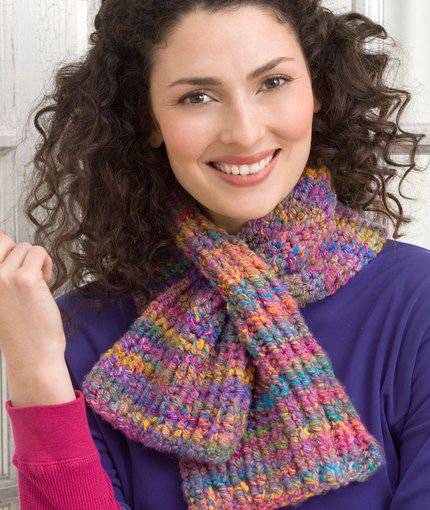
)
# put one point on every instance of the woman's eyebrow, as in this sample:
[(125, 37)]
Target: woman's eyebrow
[(215, 81)]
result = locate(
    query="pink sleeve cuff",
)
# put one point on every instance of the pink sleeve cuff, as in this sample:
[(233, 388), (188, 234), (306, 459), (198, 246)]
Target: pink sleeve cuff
[(46, 433)]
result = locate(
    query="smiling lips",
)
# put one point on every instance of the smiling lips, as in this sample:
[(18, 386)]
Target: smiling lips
[(253, 164), (248, 179)]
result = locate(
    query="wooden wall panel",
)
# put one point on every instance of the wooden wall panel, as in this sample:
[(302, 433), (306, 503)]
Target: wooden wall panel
[(35, 37)]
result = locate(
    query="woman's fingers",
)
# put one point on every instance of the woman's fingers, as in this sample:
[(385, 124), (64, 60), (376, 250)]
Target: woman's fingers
[(6, 245), (37, 263), (32, 261), (14, 258)]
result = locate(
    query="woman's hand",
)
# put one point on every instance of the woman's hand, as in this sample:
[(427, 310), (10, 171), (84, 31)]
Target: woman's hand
[(32, 337)]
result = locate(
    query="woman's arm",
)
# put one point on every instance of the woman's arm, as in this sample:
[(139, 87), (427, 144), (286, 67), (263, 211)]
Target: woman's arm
[(413, 490), (58, 463), (59, 467)]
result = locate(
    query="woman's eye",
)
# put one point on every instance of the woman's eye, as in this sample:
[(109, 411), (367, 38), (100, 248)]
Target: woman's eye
[(277, 79), (197, 98), (190, 96)]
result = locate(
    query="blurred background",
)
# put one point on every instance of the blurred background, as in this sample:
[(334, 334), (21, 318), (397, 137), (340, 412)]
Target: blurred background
[(36, 36)]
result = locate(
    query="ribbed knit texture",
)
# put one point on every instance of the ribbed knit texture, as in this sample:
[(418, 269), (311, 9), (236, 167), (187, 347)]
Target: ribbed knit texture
[(221, 370), (58, 464), (79, 485)]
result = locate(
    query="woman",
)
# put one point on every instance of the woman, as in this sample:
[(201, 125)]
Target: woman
[(261, 343)]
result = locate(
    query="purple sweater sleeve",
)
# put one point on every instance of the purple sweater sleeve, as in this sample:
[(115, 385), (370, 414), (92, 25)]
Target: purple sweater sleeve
[(58, 464), (413, 490)]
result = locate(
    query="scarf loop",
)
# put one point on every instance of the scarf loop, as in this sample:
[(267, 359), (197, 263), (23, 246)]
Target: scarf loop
[(220, 368)]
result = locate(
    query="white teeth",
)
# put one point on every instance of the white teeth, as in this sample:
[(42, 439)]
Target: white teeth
[(244, 169)]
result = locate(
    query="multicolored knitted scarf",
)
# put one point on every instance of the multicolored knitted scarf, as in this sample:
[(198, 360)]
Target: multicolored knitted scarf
[(221, 370)]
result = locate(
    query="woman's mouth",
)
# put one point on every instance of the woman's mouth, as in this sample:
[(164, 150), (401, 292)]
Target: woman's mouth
[(252, 174), (244, 169)]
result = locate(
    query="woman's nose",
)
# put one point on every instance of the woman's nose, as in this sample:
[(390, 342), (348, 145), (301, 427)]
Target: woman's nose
[(242, 125)]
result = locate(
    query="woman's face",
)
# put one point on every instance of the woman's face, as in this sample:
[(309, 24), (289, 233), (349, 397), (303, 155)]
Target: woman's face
[(242, 115)]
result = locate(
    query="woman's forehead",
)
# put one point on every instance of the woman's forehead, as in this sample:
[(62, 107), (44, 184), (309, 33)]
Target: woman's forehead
[(248, 34)]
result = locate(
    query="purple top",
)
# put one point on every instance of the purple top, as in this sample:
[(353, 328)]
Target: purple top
[(376, 331)]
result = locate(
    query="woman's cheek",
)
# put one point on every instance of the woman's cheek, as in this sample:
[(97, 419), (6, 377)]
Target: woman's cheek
[(297, 116), (187, 138)]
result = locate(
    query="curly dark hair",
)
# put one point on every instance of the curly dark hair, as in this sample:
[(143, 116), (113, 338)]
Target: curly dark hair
[(103, 187)]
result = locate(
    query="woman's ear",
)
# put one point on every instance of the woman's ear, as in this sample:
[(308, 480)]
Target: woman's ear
[(155, 139), (317, 105)]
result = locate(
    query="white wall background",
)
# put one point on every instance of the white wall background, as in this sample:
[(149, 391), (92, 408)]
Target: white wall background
[(35, 35)]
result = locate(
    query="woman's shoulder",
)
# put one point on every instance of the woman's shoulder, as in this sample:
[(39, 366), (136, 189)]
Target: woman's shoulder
[(92, 330), (398, 276), (402, 264), (400, 249), (398, 286)]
